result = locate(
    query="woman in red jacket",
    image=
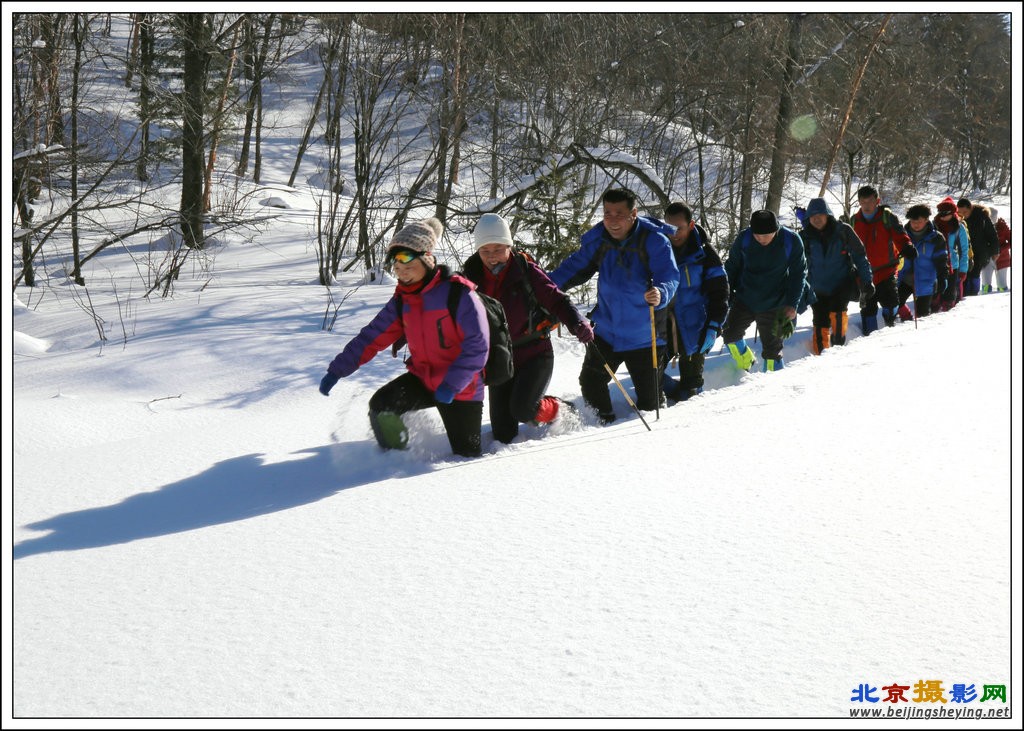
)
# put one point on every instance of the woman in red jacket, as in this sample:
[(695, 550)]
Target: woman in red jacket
[(447, 351)]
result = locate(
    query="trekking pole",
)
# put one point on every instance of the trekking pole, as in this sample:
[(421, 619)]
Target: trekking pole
[(619, 384), (913, 291), (675, 336), (654, 364)]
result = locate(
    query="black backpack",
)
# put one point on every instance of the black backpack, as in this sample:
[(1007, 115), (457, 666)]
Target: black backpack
[(498, 369)]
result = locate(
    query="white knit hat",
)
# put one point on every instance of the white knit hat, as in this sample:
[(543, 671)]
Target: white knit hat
[(491, 229), (418, 236)]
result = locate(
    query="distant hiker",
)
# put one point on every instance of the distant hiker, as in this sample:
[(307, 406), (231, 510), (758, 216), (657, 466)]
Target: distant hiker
[(636, 272), (533, 306), (885, 242), (984, 241), (446, 356), (835, 262), (700, 305), (767, 274), (947, 222), (1003, 261), (928, 273), (987, 274)]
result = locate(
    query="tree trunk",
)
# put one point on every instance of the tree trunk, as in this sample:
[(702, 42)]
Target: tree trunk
[(258, 56), (495, 139), (218, 122), (849, 107), (132, 62), (193, 32), (304, 142), (777, 173), (54, 38), (78, 38), (146, 61), (451, 124)]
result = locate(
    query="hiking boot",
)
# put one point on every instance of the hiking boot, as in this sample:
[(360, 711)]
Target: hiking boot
[(606, 417), (685, 394), (669, 387), (743, 355), (904, 313), (389, 429)]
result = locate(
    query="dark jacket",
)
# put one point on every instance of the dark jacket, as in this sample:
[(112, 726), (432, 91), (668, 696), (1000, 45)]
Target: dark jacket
[(523, 301), (768, 277), (833, 255), (984, 239)]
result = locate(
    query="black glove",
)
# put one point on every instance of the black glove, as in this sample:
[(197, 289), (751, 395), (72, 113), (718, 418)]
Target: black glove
[(327, 383), (909, 252), (867, 292)]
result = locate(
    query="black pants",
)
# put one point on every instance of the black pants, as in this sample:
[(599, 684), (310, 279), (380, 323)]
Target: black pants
[(461, 419), (739, 319), (594, 379), (691, 372), (516, 401), (823, 309), (922, 305), (885, 295)]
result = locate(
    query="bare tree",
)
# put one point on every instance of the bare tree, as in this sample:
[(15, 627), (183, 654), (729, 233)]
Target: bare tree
[(194, 37)]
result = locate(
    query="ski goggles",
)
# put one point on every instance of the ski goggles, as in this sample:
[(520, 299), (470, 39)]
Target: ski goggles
[(405, 256)]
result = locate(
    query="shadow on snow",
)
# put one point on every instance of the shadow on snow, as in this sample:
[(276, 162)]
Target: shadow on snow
[(234, 489)]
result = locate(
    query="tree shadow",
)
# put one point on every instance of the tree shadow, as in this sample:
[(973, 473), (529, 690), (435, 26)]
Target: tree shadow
[(234, 489)]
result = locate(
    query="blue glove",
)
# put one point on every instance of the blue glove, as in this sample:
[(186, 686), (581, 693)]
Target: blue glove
[(710, 335), (444, 394), (327, 383)]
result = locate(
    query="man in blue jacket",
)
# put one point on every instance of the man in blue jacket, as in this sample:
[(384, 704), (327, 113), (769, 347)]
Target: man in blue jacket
[(637, 272), (767, 274), (700, 305)]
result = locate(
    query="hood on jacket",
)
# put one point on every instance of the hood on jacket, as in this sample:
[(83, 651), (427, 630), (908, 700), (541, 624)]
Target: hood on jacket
[(818, 205)]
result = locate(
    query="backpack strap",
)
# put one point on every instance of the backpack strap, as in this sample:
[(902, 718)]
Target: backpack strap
[(456, 288), (535, 328)]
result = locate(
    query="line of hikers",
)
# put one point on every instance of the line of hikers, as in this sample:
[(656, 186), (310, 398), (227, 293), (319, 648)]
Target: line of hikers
[(662, 292)]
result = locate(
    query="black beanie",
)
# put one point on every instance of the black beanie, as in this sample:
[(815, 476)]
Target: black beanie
[(764, 222)]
